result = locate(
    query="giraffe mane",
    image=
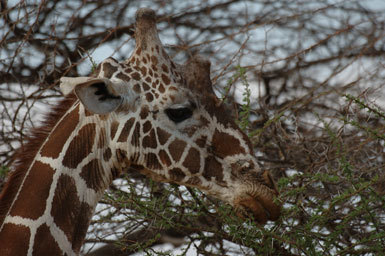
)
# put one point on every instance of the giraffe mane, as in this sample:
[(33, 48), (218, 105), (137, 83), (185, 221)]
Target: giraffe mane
[(26, 153)]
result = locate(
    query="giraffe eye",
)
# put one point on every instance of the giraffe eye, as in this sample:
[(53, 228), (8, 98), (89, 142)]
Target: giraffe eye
[(178, 114)]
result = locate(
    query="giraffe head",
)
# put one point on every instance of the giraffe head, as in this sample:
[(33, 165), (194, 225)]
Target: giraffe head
[(165, 120)]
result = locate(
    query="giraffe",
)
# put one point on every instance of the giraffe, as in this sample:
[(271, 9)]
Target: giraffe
[(145, 113)]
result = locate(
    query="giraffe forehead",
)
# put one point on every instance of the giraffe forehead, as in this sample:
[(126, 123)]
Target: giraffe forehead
[(156, 89)]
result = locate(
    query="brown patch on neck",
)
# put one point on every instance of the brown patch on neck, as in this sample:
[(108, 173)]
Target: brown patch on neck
[(80, 146), (102, 138), (60, 135), (26, 154), (44, 243), (14, 239), (31, 202), (69, 214), (92, 173)]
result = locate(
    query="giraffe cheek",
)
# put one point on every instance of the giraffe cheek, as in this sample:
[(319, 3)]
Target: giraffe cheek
[(213, 171), (226, 144), (164, 158), (152, 162), (176, 149), (192, 161), (149, 141)]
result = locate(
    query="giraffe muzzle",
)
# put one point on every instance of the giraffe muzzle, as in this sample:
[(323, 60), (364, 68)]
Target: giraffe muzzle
[(259, 201)]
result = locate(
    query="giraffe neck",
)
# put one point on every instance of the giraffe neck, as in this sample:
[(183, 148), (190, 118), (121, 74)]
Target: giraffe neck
[(48, 203)]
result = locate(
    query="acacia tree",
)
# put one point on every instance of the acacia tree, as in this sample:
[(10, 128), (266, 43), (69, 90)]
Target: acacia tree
[(306, 80)]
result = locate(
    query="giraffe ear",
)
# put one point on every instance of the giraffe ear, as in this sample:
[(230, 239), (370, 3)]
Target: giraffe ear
[(98, 95)]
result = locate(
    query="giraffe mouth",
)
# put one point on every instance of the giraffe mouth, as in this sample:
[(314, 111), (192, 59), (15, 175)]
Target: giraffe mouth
[(258, 208), (259, 203)]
